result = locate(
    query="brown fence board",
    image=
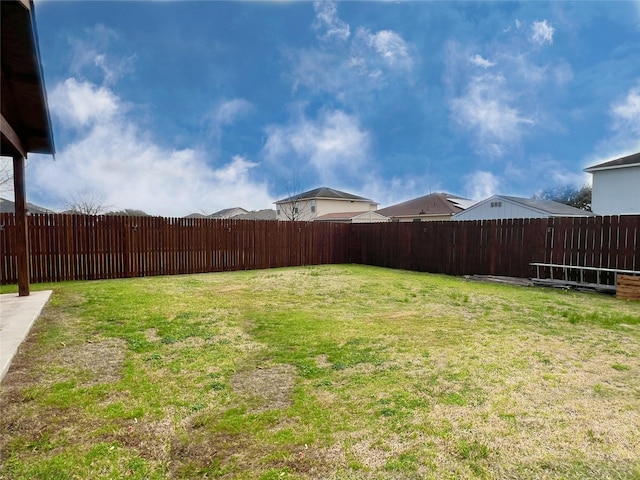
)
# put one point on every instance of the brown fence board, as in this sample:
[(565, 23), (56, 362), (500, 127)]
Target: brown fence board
[(76, 247)]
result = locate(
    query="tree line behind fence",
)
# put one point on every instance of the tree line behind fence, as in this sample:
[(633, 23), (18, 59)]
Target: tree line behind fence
[(81, 247)]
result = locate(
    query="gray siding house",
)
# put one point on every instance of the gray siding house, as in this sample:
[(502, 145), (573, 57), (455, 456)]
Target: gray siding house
[(616, 186), (503, 207)]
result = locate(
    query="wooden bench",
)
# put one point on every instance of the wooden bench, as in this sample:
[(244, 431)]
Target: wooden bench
[(574, 276)]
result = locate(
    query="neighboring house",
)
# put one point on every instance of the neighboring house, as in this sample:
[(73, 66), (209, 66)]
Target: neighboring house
[(225, 213), (229, 213), (432, 207), (616, 186), (266, 214), (7, 206), (321, 201), (352, 217), (502, 207)]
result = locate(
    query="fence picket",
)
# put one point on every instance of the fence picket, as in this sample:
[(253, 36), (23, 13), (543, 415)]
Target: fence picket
[(76, 247)]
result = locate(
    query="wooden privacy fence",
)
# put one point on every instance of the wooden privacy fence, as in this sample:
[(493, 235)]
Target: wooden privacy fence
[(454, 248), (78, 247), (499, 247), (82, 247)]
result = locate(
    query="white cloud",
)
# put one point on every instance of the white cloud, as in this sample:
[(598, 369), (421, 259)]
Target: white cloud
[(328, 21), (480, 185), (389, 46), (88, 57), (320, 71), (121, 162), (519, 67), (504, 94), (355, 65), (485, 110), (517, 24), (541, 33), (227, 112), (334, 145), (479, 61), (625, 124), (79, 104), (626, 112)]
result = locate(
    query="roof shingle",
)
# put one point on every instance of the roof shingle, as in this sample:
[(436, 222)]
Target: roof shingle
[(633, 159), (432, 204), (324, 192)]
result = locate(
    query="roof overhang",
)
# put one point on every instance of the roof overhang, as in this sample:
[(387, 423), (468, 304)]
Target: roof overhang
[(422, 215), (333, 199), (632, 160), (611, 167), (25, 123)]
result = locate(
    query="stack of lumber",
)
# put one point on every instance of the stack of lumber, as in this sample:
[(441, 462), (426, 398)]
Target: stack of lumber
[(628, 287)]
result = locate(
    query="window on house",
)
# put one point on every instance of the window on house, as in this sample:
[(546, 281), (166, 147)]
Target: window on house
[(313, 206), (295, 210), (496, 204)]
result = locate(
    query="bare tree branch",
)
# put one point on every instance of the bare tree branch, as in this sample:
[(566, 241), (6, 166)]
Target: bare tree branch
[(87, 202), (295, 209), (6, 174)]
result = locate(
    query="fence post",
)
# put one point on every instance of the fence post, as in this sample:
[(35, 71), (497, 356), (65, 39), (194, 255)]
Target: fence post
[(22, 229), (126, 246)]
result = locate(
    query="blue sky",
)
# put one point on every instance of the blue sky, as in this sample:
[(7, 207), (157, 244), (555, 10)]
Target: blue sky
[(180, 107)]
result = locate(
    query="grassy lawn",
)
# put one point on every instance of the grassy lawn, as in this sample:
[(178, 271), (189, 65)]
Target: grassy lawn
[(329, 372)]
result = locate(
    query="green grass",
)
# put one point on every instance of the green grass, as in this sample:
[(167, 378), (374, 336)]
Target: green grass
[(328, 372)]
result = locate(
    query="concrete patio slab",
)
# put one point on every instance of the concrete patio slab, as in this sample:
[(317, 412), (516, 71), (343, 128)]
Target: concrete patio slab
[(17, 315)]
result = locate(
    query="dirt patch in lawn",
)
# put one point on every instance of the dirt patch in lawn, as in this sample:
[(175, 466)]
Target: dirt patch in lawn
[(72, 355), (92, 362), (323, 361), (151, 335), (152, 439), (272, 387)]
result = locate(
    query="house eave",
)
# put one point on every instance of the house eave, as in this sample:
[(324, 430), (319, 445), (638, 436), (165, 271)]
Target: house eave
[(306, 199), (422, 215), (25, 114), (612, 167)]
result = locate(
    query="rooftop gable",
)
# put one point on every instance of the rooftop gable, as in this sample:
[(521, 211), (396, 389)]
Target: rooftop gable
[(265, 214), (432, 204), (228, 212), (324, 193), (344, 216), (544, 206)]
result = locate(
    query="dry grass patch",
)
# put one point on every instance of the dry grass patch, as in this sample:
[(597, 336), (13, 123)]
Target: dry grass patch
[(271, 386), (93, 362)]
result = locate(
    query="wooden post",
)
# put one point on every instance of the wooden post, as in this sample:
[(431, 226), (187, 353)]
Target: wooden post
[(22, 229)]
